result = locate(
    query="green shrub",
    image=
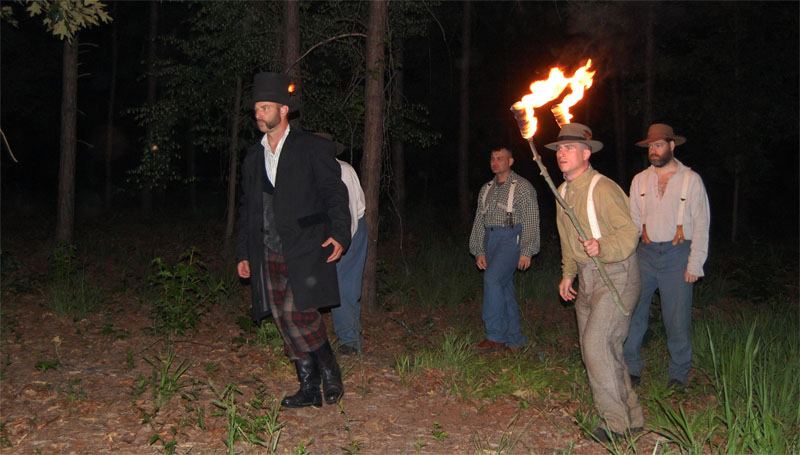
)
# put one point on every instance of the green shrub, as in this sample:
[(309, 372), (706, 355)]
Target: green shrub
[(185, 292)]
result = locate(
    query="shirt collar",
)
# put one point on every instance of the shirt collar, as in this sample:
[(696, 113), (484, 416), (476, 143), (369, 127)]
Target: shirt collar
[(584, 179), (681, 167), (511, 177), (265, 142)]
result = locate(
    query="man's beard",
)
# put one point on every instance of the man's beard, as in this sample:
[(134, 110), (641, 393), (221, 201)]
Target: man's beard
[(266, 125), (660, 161)]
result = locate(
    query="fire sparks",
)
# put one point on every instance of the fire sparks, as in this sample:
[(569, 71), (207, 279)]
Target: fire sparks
[(546, 90)]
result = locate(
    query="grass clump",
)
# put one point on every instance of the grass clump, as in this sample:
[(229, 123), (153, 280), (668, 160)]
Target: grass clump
[(465, 373), (167, 377), (185, 291), (69, 291), (255, 422)]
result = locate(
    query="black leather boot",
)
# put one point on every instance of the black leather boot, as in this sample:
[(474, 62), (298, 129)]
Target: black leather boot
[(332, 387), (308, 395)]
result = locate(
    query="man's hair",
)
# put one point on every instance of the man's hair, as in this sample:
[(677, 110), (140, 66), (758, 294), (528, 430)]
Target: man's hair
[(501, 148)]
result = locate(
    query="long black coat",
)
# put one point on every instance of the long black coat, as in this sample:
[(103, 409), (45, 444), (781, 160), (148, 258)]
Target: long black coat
[(310, 205)]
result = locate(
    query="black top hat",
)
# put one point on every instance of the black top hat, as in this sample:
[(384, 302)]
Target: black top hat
[(273, 87)]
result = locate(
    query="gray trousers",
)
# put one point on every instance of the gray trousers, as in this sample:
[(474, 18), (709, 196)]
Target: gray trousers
[(602, 329)]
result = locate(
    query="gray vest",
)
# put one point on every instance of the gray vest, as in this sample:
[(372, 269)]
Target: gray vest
[(271, 238)]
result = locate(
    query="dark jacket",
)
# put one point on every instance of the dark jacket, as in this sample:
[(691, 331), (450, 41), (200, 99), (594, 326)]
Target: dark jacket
[(310, 205)]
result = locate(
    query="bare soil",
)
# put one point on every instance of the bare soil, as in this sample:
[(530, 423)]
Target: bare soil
[(93, 402)]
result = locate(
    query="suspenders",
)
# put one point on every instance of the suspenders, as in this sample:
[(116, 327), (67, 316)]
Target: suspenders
[(509, 201), (679, 236), (590, 210)]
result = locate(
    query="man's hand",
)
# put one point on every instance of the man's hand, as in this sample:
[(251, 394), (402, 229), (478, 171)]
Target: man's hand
[(480, 261), (243, 269), (337, 249), (524, 263), (565, 289), (689, 277), (591, 247)]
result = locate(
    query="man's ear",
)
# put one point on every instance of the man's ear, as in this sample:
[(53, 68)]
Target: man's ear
[(511, 161), (587, 152), (284, 110)]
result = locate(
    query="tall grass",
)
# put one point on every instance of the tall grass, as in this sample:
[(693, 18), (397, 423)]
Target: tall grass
[(70, 291), (755, 375), (438, 272), (752, 363), (540, 282), (465, 373)]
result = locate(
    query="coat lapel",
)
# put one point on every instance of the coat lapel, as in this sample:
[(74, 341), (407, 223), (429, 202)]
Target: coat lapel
[(285, 156)]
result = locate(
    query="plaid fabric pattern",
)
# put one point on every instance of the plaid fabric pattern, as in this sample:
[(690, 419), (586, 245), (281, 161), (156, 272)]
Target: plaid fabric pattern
[(302, 331), (526, 213)]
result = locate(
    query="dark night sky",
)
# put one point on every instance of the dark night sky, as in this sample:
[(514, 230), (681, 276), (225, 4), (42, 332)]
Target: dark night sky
[(716, 65)]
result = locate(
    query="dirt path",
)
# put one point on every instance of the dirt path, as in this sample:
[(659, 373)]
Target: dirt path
[(94, 400)]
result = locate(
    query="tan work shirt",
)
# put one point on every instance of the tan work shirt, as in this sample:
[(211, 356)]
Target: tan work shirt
[(619, 235)]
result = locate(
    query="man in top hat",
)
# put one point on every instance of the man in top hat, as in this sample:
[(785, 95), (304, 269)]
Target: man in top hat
[(293, 225), (601, 208), (505, 235), (669, 205)]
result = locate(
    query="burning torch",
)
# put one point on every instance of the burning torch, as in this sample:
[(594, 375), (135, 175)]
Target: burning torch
[(542, 92)]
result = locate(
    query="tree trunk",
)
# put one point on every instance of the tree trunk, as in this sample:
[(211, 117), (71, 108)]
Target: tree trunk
[(737, 128), (373, 143), (66, 171), (619, 130), (398, 147), (737, 180), (649, 66), (110, 113), (152, 84), (291, 51), (233, 162), (191, 170), (463, 121)]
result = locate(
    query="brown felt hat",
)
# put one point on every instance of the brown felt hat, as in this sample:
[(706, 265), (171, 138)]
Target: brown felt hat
[(660, 131), (576, 132)]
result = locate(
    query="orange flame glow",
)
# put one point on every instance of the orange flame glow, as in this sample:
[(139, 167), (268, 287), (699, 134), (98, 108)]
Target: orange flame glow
[(546, 90)]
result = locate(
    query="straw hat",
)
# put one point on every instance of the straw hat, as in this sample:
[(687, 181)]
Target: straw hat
[(659, 131), (576, 132)]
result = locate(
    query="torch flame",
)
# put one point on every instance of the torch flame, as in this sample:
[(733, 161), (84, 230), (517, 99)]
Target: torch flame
[(546, 90)]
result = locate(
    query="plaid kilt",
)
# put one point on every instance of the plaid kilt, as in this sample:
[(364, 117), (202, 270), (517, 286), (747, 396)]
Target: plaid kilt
[(302, 331)]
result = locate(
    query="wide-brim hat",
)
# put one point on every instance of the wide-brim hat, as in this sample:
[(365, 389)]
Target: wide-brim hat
[(660, 131), (275, 88), (576, 132), (338, 145)]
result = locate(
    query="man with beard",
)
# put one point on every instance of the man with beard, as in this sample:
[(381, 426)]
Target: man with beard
[(669, 205), (294, 223), (601, 208), (505, 235)]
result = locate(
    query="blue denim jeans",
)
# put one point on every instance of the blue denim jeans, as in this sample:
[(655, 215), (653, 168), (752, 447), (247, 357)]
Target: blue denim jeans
[(662, 265), (350, 271), (500, 310)]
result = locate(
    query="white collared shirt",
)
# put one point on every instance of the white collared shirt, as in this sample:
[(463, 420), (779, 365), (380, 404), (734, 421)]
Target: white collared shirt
[(662, 212), (355, 195), (270, 158)]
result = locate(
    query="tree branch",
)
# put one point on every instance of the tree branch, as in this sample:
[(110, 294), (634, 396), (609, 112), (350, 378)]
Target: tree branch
[(333, 38), (8, 146)]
